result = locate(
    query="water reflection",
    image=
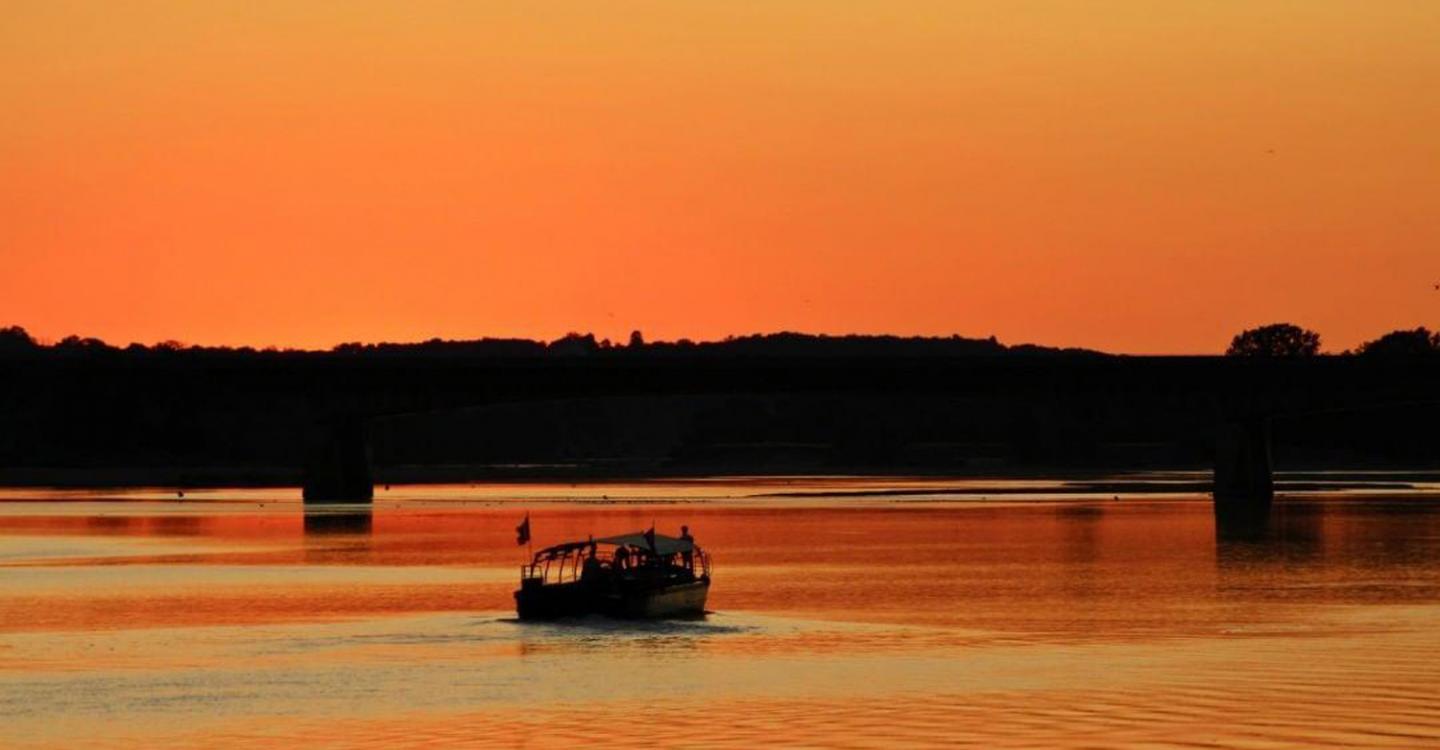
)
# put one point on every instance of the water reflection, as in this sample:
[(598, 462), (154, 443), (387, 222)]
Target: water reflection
[(1239, 522), (1267, 560), (1369, 552), (838, 623), (146, 525), (339, 535), (1080, 547), (339, 519), (1288, 531), (595, 634)]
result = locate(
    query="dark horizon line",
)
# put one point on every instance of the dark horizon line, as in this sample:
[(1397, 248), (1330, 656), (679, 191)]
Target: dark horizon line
[(17, 338), (18, 334)]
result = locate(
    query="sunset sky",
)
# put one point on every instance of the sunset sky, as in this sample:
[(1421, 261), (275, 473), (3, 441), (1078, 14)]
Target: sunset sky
[(1129, 175)]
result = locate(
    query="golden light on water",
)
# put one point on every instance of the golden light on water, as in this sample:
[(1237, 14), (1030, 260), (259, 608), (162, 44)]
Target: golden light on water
[(846, 622)]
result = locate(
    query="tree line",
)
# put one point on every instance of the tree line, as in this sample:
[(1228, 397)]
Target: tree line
[(1274, 340), (16, 340), (1289, 340)]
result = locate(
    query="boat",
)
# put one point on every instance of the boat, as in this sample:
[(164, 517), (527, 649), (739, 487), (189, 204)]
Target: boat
[(639, 575)]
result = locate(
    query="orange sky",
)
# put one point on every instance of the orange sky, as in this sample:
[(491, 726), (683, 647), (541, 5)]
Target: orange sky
[(1122, 174)]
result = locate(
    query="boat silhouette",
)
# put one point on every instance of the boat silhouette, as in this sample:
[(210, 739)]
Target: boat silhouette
[(636, 575)]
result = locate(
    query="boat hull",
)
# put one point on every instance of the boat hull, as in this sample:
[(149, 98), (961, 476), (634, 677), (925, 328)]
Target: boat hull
[(555, 601), (678, 600)]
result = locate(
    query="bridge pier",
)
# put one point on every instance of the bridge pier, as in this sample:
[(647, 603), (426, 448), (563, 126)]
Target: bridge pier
[(338, 465), (1244, 480)]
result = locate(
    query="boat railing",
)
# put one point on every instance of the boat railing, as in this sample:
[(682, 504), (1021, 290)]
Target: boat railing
[(570, 566), (564, 568)]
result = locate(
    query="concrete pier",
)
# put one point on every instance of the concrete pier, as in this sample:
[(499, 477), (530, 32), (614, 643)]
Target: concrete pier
[(338, 469), (1244, 478)]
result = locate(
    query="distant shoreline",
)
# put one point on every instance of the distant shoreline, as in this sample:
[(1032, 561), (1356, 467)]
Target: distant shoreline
[(214, 477), (1068, 480)]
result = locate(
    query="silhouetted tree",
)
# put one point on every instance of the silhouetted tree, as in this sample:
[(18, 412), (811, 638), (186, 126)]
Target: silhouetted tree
[(17, 342), (574, 345), (1416, 343), (15, 339), (87, 344), (1275, 340)]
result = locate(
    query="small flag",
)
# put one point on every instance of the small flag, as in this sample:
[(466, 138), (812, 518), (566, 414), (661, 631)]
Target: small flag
[(650, 538), (522, 532)]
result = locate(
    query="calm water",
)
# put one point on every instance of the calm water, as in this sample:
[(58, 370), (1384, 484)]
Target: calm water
[(1022, 618)]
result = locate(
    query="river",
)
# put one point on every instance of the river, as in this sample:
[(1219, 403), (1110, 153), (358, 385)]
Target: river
[(846, 613)]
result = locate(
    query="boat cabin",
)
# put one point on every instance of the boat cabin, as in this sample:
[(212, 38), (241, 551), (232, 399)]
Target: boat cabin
[(642, 574), (626, 556)]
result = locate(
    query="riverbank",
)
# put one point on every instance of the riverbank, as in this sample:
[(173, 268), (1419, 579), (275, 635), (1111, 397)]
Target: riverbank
[(987, 481)]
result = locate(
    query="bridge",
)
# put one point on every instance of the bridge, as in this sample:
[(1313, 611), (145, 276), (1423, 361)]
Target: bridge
[(334, 399)]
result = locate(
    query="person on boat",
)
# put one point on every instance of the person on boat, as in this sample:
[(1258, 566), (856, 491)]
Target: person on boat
[(687, 557), (622, 558), (591, 568)]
